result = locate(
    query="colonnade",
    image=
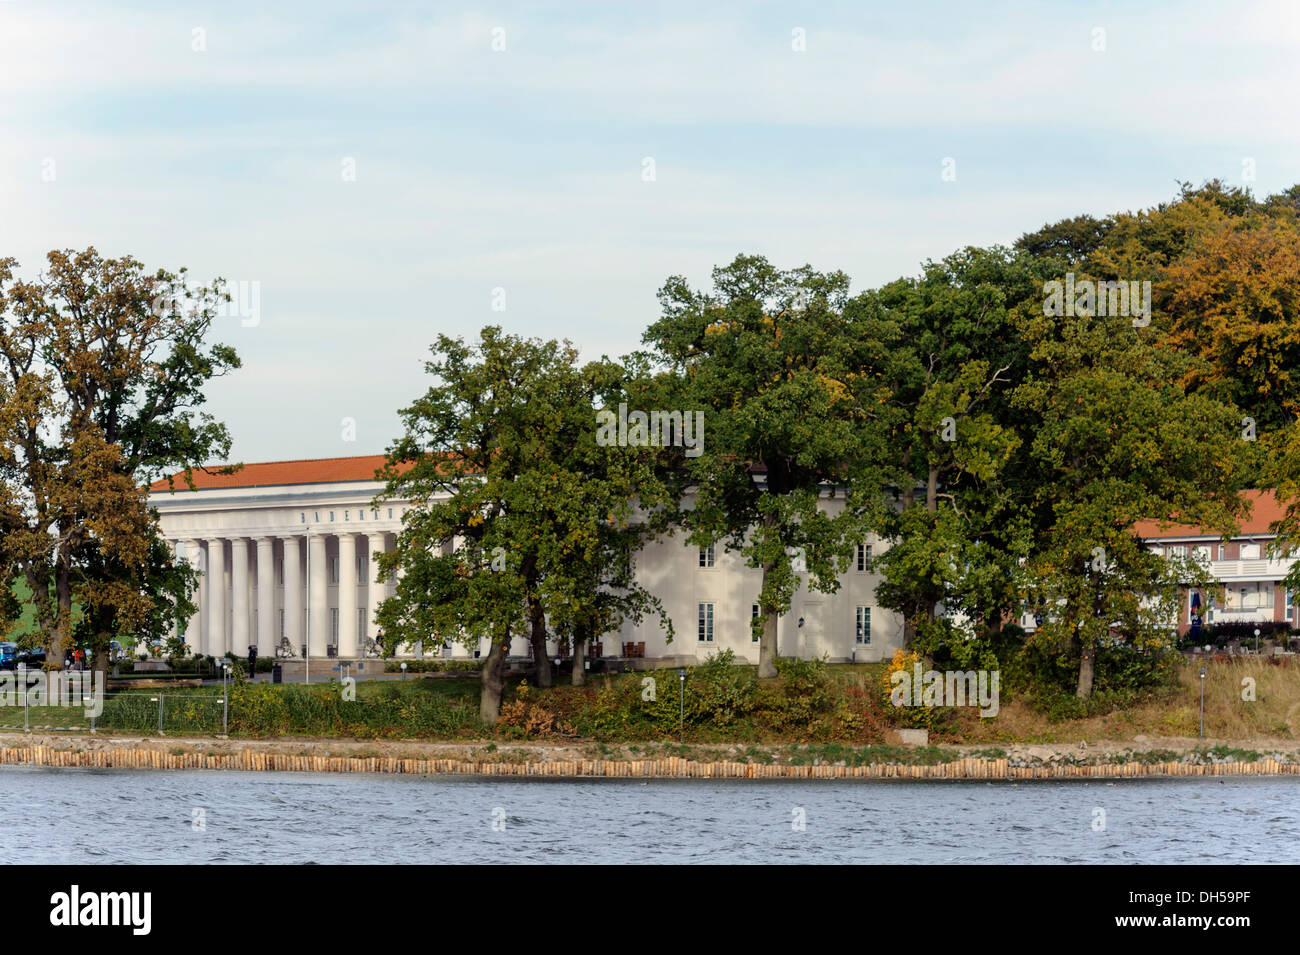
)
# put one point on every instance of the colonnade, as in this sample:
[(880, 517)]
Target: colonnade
[(257, 591)]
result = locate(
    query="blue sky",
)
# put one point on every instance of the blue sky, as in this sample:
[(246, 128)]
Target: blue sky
[(522, 169)]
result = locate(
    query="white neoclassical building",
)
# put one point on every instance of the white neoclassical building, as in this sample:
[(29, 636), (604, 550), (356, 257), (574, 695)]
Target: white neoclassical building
[(286, 555)]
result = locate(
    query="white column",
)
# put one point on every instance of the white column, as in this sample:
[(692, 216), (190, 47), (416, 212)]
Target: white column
[(293, 593), (215, 581), (194, 628), (318, 624), (239, 583), (347, 596), (266, 597), (376, 591), (173, 629)]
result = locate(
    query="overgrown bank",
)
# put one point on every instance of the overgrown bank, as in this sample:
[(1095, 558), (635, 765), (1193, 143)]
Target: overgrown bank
[(719, 703)]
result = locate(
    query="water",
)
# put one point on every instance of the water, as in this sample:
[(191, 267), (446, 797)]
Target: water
[(125, 816)]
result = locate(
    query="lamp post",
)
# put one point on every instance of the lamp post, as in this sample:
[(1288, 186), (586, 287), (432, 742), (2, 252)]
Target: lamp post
[(1257, 641), (403, 669), (1202, 702), (225, 699)]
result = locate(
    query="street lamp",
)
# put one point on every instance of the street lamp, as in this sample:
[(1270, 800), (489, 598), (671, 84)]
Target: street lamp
[(403, 669), (225, 699), (1202, 702), (1257, 641)]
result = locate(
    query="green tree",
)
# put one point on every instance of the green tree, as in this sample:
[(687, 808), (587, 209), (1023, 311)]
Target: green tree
[(619, 498), (794, 403), (957, 442), (1119, 439), (519, 518)]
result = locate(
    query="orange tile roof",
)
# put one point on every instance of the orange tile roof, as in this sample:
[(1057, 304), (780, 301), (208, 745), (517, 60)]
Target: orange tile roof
[(1265, 510), (274, 473)]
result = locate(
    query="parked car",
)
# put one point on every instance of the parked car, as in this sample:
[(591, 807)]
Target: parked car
[(8, 655), (33, 658)]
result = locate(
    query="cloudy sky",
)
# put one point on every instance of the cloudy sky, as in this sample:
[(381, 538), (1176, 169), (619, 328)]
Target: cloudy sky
[(381, 170)]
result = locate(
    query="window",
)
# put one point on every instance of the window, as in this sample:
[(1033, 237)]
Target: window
[(361, 621), (302, 518), (706, 556), (1290, 605), (334, 625), (390, 513), (864, 558), (706, 623), (1249, 597), (346, 515), (281, 624), (361, 569), (334, 570), (317, 517), (863, 632), (1222, 551), (1250, 552), (279, 571), (753, 615), (331, 517), (361, 515)]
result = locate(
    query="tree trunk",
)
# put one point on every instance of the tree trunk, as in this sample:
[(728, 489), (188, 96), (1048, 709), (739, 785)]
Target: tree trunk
[(538, 639), (60, 636), (489, 704), (99, 658), (767, 648), (1087, 663), (932, 491), (579, 656)]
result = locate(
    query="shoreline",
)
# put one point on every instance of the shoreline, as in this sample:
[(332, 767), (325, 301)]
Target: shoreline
[(533, 760)]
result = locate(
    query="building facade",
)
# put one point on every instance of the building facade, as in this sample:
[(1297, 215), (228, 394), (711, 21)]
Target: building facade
[(1253, 590), (286, 553)]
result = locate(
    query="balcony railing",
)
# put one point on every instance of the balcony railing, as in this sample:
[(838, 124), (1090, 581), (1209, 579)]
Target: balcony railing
[(1250, 569)]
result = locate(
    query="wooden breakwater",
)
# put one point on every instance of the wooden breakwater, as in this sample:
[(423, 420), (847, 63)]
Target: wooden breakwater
[(672, 767)]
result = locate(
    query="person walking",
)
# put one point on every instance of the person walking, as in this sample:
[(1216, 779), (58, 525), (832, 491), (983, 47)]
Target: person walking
[(252, 661)]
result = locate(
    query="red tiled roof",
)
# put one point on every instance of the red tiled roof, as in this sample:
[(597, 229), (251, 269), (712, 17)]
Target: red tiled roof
[(273, 473), (1264, 511)]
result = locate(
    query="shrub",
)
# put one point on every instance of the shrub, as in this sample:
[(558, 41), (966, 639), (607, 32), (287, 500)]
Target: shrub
[(906, 713), (1221, 634), (434, 666), (801, 695)]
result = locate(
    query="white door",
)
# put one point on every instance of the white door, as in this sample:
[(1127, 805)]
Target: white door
[(810, 634)]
